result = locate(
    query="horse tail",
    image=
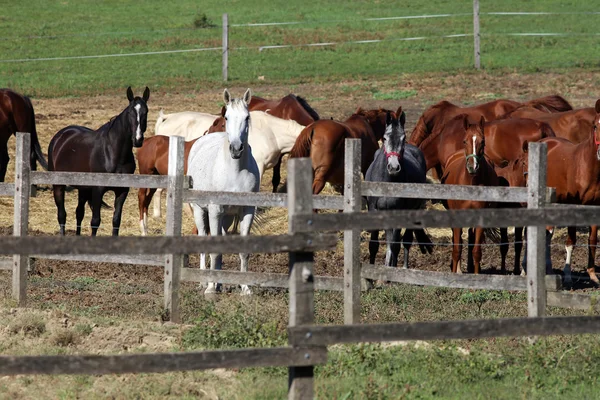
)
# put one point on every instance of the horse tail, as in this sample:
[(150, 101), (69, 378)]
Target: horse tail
[(307, 107), (419, 133), (303, 144), (36, 149), (547, 130), (550, 104), (493, 234), (161, 118)]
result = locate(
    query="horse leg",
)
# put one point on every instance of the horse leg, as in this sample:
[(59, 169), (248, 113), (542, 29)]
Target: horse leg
[(246, 217), (477, 251), (503, 249), (470, 242), (120, 197), (456, 250), (83, 197), (277, 174), (592, 242), (373, 246), (157, 199), (144, 199), (4, 159), (571, 241), (59, 200), (201, 222), (187, 207), (392, 237), (518, 249), (407, 240), (215, 222), (95, 204)]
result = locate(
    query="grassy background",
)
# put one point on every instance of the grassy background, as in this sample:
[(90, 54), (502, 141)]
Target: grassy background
[(39, 29)]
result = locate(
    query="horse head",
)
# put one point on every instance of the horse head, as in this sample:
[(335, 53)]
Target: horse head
[(595, 129), (137, 115), (394, 140), (237, 123), (217, 126), (474, 142), (376, 119)]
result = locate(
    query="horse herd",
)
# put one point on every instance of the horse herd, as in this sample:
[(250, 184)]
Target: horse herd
[(483, 145)]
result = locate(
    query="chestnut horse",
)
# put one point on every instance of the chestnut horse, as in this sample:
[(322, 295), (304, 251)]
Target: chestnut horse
[(574, 170), (469, 166), (16, 115), (503, 140), (436, 116), (323, 142), (573, 125), (108, 149)]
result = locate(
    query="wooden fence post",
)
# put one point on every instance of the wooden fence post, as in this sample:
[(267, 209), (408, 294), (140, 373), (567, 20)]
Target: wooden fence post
[(225, 46), (352, 203), (300, 379), (173, 262), (476, 36), (536, 235), (21, 215)]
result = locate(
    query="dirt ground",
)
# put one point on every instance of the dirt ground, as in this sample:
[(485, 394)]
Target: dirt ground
[(138, 289)]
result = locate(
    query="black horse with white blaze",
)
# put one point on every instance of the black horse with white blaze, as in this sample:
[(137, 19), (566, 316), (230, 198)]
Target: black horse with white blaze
[(397, 162), (108, 149)]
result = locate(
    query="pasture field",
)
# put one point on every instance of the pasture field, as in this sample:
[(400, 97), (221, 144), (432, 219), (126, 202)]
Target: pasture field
[(41, 29), (116, 308)]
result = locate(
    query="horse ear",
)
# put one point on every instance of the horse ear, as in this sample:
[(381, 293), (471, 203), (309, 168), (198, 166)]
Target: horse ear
[(525, 146), (466, 122), (146, 94), (358, 110), (402, 117), (226, 96), (223, 109), (129, 94), (247, 96), (598, 106), (388, 118)]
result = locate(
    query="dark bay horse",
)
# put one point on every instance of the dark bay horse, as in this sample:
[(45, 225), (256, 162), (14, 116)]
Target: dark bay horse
[(153, 159), (16, 115), (323, 142), (397, 162), (436, 116), (108, 149), (574, 170), (504, 140), (469, 166), (573, 125), (289, 107)]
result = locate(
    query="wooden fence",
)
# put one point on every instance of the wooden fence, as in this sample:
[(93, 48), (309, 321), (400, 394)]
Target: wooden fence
[(307, 341)]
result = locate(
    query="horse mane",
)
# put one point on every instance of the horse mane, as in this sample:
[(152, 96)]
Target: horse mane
[(550, 104), (419, 133), (307, 107), (426, 141)]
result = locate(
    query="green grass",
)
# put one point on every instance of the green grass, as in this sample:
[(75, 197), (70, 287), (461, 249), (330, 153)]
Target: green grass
[(39, 29)]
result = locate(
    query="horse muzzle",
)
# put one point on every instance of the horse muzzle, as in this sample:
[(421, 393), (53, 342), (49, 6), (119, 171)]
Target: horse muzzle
[(236, 151), (394, 169), (138, 142)]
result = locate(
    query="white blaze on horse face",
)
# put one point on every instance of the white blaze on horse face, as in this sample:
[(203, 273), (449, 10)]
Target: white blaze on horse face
[(138, 129), (475, 163)]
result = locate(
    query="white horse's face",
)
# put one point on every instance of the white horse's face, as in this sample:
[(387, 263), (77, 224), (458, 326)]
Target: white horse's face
[(238, 122)]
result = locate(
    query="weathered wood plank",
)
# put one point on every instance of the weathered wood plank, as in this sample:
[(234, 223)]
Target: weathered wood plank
[(7, 189), (165, 362), (6, 264), (166, 245), (257, 199), (352, 203), (577, 301), (450, 280), (21, 216), (487, 218), (443, 330), (139, 259), (102, 179), (261, 279)]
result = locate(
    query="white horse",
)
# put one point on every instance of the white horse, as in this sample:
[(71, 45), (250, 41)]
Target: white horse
[(269, 137), (223, 162)]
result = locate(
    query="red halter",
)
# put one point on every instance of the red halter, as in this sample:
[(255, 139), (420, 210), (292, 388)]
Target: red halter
[(391, 153)]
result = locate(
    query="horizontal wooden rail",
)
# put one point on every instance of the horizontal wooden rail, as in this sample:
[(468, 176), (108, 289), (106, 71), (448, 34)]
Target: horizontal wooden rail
[(447, 279), (455, 192), (102, 179), (257, 199), (165, 362), (261, 279), (156, 260), (443, 330), (577, 301), (7, 189), (413, 219), (74, 245)]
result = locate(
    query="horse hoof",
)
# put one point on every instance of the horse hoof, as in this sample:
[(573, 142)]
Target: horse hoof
[(523, 273), (246, 291), (213, 288)]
